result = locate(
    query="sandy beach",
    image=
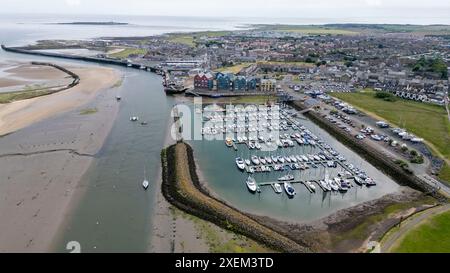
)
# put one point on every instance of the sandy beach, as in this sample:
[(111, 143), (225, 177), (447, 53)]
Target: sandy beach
[(47, 145)]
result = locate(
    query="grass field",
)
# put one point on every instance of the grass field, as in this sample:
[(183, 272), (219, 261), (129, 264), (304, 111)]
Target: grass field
[(189, 38), (288, 63), (234, 69), (221, 241), (311, 29), (432, 236), (22, 95), (127, 52), (424, 120), (88, 111)]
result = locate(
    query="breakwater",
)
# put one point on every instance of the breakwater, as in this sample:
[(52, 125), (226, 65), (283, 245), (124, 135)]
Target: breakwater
[(75, 77), (375, 157), (181, 187), (80, 58)]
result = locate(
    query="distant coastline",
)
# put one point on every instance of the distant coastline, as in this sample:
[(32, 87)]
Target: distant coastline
[(92, 23)]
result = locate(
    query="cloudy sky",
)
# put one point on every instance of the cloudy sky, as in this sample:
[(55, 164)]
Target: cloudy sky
[(233, 8)]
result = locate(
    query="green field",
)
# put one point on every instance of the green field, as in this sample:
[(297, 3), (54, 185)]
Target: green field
[(432, 236), (424, 120), (189, 38), (310, 29), (8, 97), (127, 52)]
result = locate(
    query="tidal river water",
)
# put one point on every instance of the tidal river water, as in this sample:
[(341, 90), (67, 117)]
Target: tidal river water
[(115, 214)]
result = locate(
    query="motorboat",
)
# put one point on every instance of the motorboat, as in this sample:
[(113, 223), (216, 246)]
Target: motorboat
[(251, 184), (251, 145), (229, 142), (145, 184), (333, 185), (311, 185), (299, 158), (274, 158), (289, 189), (268, 159), (262, 160), (277, 187), (258, 146), (255, 160), (345, 185), (293, 159), (358, 180), (288, 159), (324, 185), (287, 177), (240, 163), (281, 159), (134, 118), (247, 162), (370, 182)]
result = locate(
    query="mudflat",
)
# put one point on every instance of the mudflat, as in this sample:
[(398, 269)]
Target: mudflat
[(49, 144)]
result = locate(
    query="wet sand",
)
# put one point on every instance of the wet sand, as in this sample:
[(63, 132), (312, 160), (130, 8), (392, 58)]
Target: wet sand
[(19, 114), (42, 163)]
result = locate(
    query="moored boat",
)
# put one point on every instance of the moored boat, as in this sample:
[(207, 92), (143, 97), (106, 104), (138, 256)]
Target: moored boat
[(251, 184), (289, 189)]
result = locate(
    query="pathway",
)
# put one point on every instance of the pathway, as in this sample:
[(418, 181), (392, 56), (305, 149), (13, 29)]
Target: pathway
[(410, 223)]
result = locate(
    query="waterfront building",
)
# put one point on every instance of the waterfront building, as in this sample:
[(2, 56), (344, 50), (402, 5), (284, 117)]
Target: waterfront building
[(267, 85), (204, 81)]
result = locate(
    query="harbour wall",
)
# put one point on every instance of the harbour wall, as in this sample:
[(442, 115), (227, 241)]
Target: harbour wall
[(79, 58), (186, 193)]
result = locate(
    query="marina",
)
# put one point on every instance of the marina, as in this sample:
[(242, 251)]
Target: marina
[(279, 128), (288, 143)]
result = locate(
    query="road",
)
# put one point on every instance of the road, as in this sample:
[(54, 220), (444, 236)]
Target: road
[(410, 223)]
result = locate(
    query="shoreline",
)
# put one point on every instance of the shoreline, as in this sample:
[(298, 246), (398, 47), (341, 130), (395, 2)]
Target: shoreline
[(38, 198)]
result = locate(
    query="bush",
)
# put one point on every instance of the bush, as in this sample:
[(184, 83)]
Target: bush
[(385, 96), (413, 153), (404, 149), (417, 159)]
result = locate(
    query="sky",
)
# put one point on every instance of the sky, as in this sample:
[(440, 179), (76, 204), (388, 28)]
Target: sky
[(235, 8)]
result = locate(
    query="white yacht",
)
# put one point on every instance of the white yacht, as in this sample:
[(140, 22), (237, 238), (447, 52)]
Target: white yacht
[(311, 185), (277, 187), (251, 184), (255, 159), (289, 189), (287, 177), (262, 160), (240, 163), (274, 158)]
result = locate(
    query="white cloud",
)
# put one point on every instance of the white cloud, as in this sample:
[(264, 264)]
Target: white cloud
[(73, 3)]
